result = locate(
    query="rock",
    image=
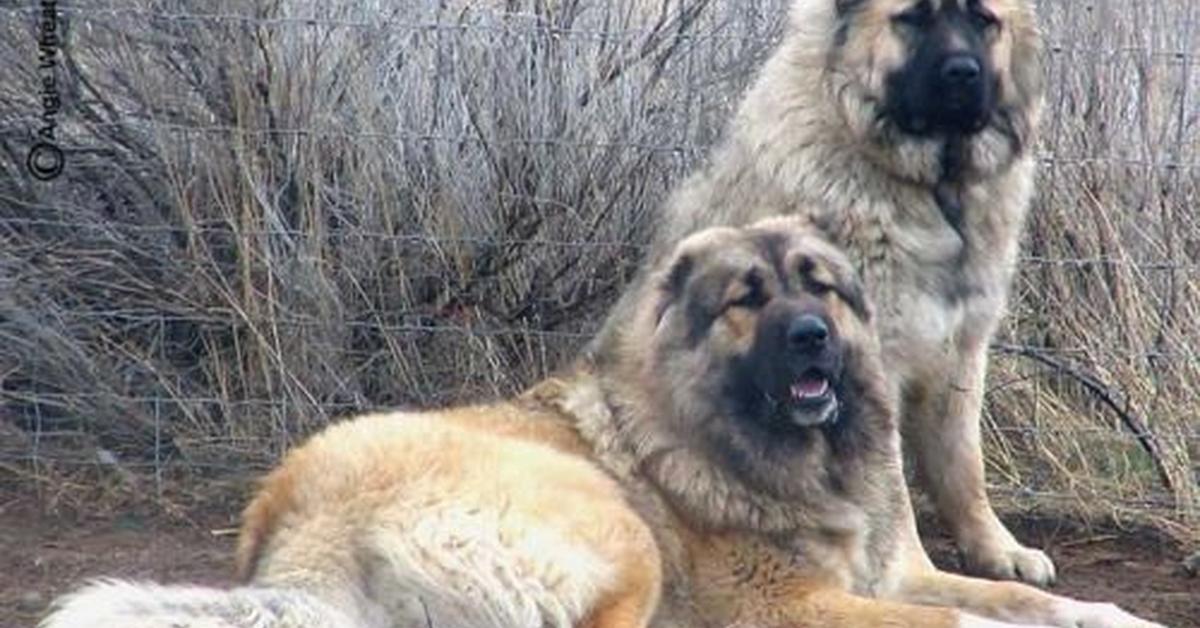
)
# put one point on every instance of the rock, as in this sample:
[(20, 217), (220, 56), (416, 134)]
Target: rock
[(31, 602), (1191, 565)]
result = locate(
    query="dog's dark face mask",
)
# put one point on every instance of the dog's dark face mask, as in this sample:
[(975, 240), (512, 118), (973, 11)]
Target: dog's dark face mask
[(759, 321), (948, 86)]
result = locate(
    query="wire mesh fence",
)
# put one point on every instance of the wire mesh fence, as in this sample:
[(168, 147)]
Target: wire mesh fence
[(277, 213)]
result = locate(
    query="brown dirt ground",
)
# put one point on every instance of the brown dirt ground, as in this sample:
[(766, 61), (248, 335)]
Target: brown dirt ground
[(1138, 569), (44, 556)]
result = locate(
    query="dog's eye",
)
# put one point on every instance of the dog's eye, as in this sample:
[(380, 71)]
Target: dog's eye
[(818, 288), (807, 270), (984, 21), (751, 300), (754, 297), (916, 17)]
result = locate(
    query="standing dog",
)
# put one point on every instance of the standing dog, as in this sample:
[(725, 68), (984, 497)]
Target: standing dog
[(904, 130), (738, 464)]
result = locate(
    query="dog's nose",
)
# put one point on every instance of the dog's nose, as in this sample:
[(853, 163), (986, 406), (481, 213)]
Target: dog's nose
[(808, 333), (961, 70)]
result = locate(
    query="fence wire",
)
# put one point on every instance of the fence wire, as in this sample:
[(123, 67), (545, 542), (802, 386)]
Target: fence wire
[(271, 218)]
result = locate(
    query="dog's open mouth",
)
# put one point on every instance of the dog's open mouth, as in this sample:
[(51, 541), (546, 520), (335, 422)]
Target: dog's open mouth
[(812, 400)]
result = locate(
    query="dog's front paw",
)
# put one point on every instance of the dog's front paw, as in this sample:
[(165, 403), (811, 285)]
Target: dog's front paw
[(1096, 615), (1005, 559)]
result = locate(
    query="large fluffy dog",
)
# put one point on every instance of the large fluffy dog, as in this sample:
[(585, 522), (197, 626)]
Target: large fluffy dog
[(903, 129), (737, 465)]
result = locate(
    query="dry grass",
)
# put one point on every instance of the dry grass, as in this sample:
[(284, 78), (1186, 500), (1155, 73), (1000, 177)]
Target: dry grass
[(272, 217), (1096, 392), (268, 220)]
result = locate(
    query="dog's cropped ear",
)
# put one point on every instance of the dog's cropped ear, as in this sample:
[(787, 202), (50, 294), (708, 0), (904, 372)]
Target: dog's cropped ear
[(670, 283), (1027, 75)]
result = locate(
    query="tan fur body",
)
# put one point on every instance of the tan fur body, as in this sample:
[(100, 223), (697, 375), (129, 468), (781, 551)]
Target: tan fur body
[(621, 498), (807, 141)]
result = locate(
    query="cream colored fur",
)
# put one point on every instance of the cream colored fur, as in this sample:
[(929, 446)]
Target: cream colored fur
[(808, 141)]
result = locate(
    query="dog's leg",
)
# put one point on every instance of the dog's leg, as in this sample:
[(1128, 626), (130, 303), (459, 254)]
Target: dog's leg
[(941, 421), (1011, 601), (629, 608), (835, 608), (633, 599)]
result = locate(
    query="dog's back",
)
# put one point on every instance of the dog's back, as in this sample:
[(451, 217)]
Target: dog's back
[(409, 520)]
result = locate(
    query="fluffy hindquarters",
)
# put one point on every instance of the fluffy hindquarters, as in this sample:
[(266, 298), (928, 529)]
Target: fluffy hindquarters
[(142, 605)]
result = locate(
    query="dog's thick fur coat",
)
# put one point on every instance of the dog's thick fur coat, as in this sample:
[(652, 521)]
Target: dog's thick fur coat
[(839, 129), (737, 464)]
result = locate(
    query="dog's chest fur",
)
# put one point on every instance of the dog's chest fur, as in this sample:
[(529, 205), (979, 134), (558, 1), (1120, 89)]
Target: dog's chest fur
[(937, 285), (716, 535)]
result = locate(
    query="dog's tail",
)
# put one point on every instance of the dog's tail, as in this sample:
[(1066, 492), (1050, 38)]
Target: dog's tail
[(109, 603)]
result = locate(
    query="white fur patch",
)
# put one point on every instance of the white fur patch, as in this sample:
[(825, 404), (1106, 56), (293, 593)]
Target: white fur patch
[(974, 621), (461, 567), (113, 603), (1097, 615)]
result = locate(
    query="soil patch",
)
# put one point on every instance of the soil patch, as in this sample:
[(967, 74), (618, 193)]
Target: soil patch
[(45, 556)]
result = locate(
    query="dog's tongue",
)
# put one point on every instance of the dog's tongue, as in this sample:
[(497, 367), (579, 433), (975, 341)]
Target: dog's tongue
[(810, 387)]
